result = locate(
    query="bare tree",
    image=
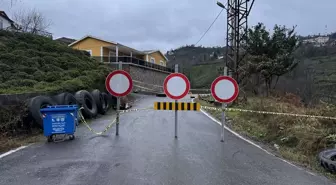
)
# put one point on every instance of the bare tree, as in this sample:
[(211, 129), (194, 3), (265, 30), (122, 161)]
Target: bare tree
[(31, 21), (12, 2)]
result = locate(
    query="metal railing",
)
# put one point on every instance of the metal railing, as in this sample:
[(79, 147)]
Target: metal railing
[(133, 60)]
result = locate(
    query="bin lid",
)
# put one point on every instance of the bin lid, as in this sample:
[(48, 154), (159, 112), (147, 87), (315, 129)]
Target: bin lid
[(59, 108)]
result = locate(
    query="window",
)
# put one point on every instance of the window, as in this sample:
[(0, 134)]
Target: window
[(89, 51), (112, 56), (152, 60), (1, 24), (162, 63)]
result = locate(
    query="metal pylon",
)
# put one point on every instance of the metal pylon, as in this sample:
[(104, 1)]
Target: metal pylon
[(237, 14)]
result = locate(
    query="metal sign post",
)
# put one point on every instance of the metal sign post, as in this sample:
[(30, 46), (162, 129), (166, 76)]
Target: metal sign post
[(176, 71), (119, 83), (223, 112), (176, 86), (224, 89), (118, 105)]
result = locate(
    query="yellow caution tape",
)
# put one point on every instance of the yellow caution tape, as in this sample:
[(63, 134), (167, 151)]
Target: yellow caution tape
[(135, 110), (267, 112), (88, 126), (204, 107)]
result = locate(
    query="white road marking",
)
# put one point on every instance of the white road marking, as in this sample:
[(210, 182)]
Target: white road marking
[(12, 151), (251, 142)]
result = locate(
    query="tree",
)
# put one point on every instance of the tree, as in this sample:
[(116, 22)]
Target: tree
[(270, 55), (32, 21)]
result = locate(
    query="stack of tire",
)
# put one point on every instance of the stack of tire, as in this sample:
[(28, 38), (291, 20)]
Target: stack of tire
[(93, 103)]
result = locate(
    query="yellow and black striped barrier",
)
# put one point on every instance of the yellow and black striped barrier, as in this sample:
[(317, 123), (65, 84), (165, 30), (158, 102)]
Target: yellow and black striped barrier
[(187, 106)]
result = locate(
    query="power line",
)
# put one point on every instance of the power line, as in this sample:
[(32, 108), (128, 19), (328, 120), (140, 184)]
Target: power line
[(209, 27)]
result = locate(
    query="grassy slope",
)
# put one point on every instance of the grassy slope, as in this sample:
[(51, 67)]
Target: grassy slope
[(325, 75), (30, 63), (300, 139), (201, 76)]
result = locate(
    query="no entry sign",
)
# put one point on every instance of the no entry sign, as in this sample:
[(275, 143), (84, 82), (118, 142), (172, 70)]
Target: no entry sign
[(176, 86), (224, 89), (119, 83)]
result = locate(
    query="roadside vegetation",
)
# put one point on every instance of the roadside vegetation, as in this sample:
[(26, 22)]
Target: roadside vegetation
[(297, 139), (31, 63)]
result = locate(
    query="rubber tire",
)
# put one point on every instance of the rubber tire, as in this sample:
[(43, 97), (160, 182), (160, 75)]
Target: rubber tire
[(99, 98), (113, 101), (161, 95), (34, 106), (107, 100), (85, 100), (325, 159), (71, 137), (65, 99)]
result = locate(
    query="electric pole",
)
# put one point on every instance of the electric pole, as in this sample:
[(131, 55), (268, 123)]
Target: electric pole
[(236, 33)]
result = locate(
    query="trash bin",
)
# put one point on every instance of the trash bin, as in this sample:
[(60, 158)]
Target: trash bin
[(60, 119)]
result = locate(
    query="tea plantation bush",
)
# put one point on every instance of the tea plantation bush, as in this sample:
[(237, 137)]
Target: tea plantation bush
[(30, 63)]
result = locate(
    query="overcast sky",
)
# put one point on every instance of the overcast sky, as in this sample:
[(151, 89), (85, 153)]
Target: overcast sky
[(167, 24)]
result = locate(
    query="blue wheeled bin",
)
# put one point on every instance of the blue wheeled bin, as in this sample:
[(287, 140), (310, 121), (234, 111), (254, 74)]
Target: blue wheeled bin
[(59, 119)]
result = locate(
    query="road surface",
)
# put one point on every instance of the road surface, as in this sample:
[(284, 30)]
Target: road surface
[(146, 152)]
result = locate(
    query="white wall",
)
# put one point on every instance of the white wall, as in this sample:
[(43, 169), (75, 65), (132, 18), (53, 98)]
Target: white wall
[(5, 22)]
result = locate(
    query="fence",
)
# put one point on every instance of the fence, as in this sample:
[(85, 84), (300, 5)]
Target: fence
[(133, 60)]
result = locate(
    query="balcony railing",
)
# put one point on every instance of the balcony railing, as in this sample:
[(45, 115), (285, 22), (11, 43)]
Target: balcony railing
[(136, 61)]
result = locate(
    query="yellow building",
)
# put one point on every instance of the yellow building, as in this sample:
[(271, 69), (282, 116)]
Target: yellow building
[(109, 51)]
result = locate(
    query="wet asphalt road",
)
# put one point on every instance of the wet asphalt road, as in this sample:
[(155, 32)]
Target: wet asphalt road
[(146, 152)]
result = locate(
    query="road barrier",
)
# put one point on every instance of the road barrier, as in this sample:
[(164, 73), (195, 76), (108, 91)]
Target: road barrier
[(182, 106), (185, 106)]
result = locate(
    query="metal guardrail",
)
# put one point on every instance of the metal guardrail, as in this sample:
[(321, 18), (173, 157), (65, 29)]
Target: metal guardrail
[(133, 60)]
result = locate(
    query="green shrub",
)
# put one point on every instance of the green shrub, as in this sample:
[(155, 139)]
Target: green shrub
[(4, 67), (73, 85), (28, 82), (33, 63)]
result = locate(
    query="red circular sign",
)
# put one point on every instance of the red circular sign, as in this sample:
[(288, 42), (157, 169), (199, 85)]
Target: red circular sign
[(119, 83), (176, 86), (224, 89)]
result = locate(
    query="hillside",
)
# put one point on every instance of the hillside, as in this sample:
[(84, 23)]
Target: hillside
[(313, 79), (190, 55), (30, 63), (201, 76)]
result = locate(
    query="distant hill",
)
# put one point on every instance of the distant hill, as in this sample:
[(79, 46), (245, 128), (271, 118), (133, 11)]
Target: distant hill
[(189, 55), (186, 56)]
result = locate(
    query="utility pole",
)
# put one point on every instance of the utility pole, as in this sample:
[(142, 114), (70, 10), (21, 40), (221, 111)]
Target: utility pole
[(236, 33)]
